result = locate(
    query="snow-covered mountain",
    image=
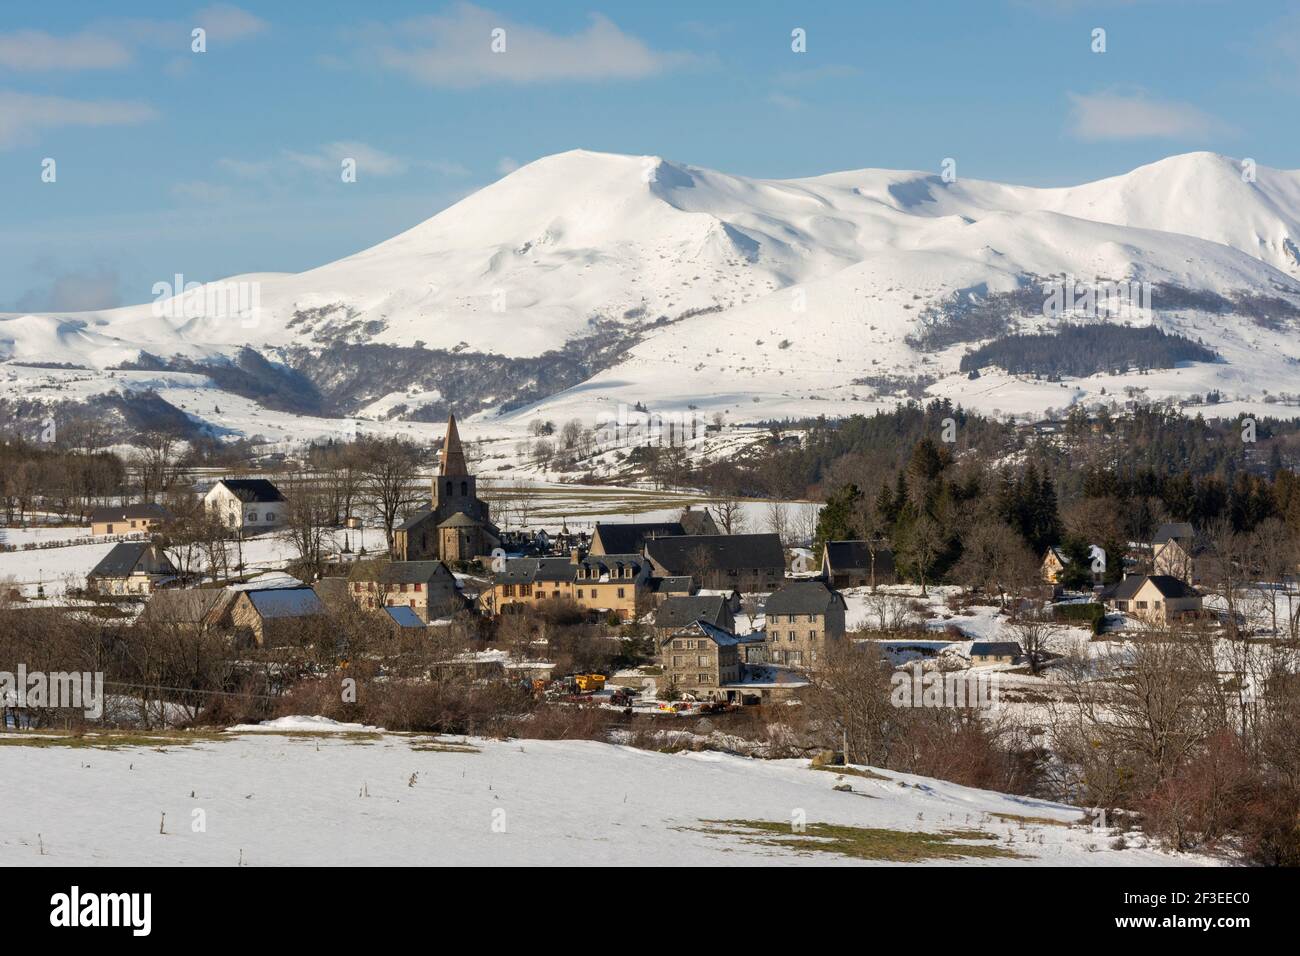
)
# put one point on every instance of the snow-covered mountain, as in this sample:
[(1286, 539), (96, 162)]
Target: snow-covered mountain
[(585, 280)]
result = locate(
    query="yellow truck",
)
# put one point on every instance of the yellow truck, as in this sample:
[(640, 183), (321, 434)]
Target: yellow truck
[(589, 683)]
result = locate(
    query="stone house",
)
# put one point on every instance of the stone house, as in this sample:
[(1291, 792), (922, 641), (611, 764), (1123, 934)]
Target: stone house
[(629, 537), (128, 519), (700, 660), (1172, 551), (131, 568), (187, 609), (274, 616), (1155, 598), (750, 563), (804, 619), (427, 588), (679, 612), (614, 583), (856, 564), (247, 504), (995, 652)]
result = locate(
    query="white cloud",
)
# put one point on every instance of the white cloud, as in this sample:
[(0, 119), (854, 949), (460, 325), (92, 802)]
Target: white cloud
[(226, 22), (36, 51), (328, 159), (785, 101), (1117, 116), (456, 50), (111, 42), (23, 115)]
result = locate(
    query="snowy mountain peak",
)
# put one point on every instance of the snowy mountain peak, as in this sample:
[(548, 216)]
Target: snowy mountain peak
[(856, 276)]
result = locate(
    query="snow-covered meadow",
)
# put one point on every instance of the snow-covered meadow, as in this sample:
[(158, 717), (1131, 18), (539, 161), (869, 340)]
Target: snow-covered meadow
[(303, 795)]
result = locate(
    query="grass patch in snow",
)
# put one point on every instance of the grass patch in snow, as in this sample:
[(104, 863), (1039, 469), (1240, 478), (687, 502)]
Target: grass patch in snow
[(111, 740), (862, 843), (363, 737), (850, 771), (1030, 821), (433, 745)]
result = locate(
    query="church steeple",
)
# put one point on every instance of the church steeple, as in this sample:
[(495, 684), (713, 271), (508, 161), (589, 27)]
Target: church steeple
[(453, 455)]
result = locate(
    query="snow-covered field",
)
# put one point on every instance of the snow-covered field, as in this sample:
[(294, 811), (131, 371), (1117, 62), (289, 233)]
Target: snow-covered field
[(303, 798)]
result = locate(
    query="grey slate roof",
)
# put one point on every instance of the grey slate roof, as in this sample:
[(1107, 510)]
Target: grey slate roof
[(397, 572), (845, 556), (720, 552), (249, 490), (414, 518), (145, 510), (681, 611), (675, 584), (802, 597), (1173, 529), (630, 538), (597, 565), (1167, 585), (720, 636), (533, 570), (996, 649), (121, 561)]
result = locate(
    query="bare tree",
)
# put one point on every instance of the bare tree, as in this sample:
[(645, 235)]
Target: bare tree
[(995, 559), (729, 513), (388, 477), (778, 522)]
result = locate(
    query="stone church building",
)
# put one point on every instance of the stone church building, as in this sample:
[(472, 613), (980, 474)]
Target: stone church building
[(457, 525)]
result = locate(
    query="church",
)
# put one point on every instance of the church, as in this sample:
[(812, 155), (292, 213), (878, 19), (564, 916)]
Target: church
[(457, 525)]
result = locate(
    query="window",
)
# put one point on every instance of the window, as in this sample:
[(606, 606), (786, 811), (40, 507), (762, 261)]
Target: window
[(270, 516), (702, 660), (593, 594), (678, 645), (621, 592), (449, 489), (579, 594), (418, 587), (507, 590), (464, 488), (791, 637), (252, 516)]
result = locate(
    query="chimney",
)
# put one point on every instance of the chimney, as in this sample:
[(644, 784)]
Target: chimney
[(575, 555)]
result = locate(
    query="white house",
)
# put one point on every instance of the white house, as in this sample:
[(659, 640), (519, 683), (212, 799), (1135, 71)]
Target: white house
[(246, 504)]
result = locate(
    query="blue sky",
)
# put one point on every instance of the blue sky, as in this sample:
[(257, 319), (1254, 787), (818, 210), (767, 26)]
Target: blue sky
[(227, 161)]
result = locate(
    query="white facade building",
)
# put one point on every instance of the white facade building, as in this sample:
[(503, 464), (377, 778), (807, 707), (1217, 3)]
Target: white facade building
[(247, 504)]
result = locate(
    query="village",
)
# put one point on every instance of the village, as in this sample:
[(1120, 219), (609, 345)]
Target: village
[(718, 619)]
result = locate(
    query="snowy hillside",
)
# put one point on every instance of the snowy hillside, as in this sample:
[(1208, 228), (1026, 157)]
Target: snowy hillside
[(301, 797), (585, 280)]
